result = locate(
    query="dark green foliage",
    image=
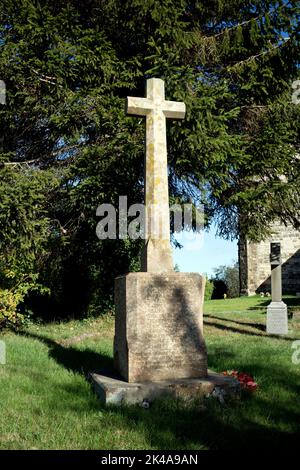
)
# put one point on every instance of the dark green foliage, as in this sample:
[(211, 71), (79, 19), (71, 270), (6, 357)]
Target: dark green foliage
[(68, 67), (209, 288), (229, 275)]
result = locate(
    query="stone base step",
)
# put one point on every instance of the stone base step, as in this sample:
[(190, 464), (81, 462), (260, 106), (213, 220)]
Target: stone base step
[(114, 391)]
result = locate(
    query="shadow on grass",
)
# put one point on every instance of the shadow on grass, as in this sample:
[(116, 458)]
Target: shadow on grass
[(293, 303), (268, 419), (76, 360), (232, 329), (172, 424), (258, 326)]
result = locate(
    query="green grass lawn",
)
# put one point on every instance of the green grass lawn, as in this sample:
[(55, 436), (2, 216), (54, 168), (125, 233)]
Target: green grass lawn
[(46, 402)]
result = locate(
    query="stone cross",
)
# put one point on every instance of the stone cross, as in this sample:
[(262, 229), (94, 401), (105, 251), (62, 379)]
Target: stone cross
[(277, 318), (157, 255), (159, 312)]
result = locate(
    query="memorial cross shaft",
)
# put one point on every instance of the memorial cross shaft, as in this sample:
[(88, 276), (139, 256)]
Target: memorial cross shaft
[(157, 255)]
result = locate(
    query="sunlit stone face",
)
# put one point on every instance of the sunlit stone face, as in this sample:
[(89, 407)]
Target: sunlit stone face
[(157, 256)]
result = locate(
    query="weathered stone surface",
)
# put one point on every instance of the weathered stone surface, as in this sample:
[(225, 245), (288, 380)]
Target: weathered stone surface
[(255, 263), (277, 318), (159, 326), (113, 391), (159, 318), (157, 255), (276, 283)]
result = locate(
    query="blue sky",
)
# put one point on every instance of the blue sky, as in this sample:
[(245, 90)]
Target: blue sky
[(205, 253)]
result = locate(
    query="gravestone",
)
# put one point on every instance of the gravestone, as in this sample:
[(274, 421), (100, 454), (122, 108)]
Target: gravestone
[(159, 346), (277, 317)]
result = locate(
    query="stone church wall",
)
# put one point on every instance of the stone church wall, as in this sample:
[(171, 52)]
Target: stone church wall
[(254, 261)]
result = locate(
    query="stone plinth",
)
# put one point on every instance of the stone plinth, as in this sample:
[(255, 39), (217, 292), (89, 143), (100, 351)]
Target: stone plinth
[(113, 391), (277, 318), (159, 327)]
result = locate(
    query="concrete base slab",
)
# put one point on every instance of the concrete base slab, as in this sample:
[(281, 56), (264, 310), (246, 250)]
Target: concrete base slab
[(277, 318), (114, 391)]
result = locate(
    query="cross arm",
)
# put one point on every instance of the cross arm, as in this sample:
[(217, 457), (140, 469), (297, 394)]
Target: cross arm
[(138, 106), (174, 109)]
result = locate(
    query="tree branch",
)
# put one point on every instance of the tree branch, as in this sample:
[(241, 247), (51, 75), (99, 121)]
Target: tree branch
[(46, 79), (243, 23), (36, 160), (227, 30), (256, 56)]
